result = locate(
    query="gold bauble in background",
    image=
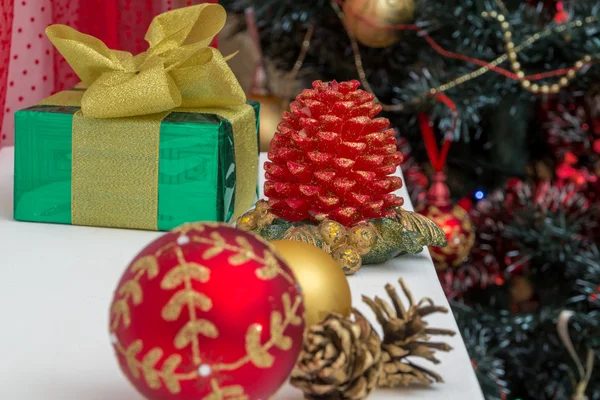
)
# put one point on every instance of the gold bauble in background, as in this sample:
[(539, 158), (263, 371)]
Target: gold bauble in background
[(521, 289), (271, 111), (324, 285), (382, 14)]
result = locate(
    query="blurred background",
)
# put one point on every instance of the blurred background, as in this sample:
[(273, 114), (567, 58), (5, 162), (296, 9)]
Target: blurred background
[(498, 100)]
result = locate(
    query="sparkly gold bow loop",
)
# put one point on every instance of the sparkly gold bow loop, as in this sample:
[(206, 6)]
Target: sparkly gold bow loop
[(179, 69)]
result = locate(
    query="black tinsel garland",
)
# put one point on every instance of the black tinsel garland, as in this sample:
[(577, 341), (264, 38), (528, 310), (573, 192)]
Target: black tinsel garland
[(544, 232), (407, 70)]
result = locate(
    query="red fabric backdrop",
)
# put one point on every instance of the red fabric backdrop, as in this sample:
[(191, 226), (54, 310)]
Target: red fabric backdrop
[(6, 18), (30, 69)]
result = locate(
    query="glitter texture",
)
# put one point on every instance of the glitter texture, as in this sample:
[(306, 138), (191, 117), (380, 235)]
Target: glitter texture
[(333, 158)]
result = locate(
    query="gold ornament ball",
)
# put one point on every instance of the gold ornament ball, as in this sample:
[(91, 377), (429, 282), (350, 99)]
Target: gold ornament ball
[(271, 110), (459, 230), (380, 14), (324, 285), (521, 289)]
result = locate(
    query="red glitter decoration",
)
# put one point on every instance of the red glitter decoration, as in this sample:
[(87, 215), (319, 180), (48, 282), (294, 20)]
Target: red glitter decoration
[(561, 15), (332, 158), (207, 312), (453, 219)]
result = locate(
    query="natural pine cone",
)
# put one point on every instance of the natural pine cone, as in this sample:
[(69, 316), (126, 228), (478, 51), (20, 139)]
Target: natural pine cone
[(406, 335), (331, 158), (340, 359)]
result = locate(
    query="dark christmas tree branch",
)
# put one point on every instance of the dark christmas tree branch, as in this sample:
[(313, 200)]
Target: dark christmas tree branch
[(539, 233), (455, 25), (536, 252)]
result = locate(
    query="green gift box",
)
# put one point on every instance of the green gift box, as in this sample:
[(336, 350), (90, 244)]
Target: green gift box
[(196, 166)]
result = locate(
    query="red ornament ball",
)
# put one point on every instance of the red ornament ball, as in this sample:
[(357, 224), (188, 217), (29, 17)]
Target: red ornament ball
[(460, 234), (207, 312)]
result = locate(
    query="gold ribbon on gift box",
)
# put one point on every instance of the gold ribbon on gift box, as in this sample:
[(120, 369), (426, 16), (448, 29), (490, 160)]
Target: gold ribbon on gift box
[(116, 132)]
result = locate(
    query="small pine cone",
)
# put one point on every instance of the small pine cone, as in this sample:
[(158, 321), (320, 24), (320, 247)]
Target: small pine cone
[(407, 335), (340, 359), (332, 158)]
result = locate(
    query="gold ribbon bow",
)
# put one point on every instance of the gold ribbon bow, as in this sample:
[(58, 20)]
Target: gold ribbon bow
[(177, 72), (178, 69)]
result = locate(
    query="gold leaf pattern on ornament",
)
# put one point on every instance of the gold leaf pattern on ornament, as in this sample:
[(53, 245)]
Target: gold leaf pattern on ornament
[(120, 311), (195, 226), (244, 254), (185, 270), (168, 372), (212, 252), (259, 356), (283, 342), (271, 267), (231, 392), (290, 310), (181, 299), (148, 363), (134, 290), (147, 264), (218, 246), (183, 275), (147, 367), (258, 353), (185, 228), (131, 356), (190, 331)]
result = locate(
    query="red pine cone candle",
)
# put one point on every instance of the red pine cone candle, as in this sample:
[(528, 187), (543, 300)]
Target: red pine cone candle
[(332, 158)]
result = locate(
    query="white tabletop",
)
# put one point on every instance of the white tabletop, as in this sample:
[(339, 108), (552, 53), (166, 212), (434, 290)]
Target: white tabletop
[(56, 285)]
